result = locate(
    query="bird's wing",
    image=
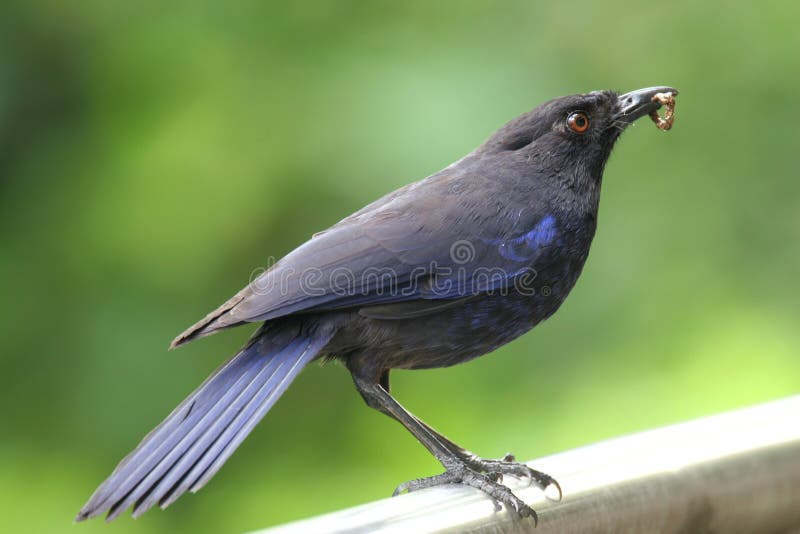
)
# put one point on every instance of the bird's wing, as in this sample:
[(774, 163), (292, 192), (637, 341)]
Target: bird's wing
[(417, 244)]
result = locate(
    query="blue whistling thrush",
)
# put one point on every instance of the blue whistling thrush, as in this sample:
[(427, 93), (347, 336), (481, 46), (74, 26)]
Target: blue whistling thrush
[(434, 274)]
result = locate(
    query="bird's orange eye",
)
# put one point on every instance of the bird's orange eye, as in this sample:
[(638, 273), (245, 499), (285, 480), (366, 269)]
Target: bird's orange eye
[(578, 122)]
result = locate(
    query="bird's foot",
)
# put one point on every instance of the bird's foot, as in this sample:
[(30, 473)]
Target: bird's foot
[(508, 465), (485, 475)]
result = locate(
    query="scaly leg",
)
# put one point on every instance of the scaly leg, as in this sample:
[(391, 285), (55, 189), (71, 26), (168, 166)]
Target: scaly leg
[(461, 466)]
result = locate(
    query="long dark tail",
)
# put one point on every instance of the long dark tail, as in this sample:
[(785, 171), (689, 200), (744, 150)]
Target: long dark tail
[(192, 443)]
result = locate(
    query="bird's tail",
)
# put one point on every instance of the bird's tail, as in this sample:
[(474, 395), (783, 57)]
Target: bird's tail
[(192, 443)]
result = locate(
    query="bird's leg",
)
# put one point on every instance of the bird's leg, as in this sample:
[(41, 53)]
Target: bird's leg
[(494, 468), (461, 467)]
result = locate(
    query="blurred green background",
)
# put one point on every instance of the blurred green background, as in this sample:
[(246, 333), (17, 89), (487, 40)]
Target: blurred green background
[(152, 155)]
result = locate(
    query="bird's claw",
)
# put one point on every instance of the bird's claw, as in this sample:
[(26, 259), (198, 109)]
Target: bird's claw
[(486, 476), (508, 465)]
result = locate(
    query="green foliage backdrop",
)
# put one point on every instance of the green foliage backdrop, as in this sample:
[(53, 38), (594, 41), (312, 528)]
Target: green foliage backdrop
[(153, 154)]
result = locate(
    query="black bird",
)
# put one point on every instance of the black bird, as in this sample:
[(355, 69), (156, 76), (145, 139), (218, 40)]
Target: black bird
[(434, 274)]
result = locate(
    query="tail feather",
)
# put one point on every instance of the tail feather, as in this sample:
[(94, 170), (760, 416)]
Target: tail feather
[(195, 440), (154, 454), (192, 446), (202, 452), (237, 431)]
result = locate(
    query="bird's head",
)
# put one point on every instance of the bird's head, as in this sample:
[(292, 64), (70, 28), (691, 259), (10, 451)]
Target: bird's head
[(571, 137)]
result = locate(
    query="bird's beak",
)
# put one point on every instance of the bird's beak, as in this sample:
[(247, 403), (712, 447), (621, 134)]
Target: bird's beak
[(640, 103)]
